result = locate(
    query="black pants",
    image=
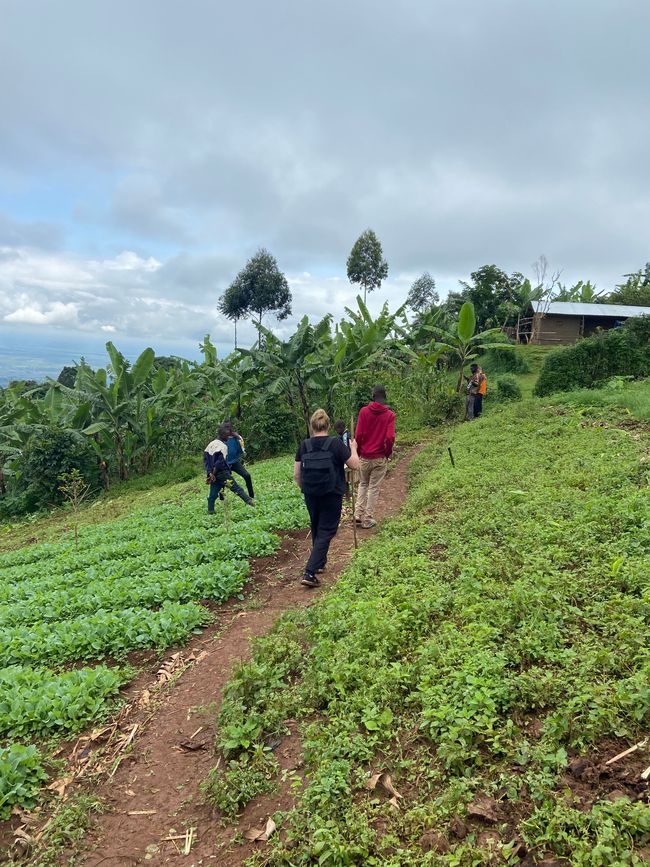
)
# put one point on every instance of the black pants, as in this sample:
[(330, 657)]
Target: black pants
[(241, 470), (324, 516), (216, 487), (478, 405)]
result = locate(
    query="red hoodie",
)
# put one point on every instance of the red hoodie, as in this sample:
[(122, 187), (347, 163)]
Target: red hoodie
[(375, 433)]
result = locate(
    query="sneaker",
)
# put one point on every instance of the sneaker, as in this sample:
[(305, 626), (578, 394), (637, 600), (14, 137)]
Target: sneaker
[(369, 524), (321, 570), (251, 503), (310, 580)]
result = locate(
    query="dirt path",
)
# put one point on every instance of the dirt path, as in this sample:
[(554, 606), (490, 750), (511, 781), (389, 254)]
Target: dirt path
[(154, 794)]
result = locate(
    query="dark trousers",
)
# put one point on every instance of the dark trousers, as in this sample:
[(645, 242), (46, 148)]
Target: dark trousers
[(478, 405), (221, 481), (324, 517), (241, 470)]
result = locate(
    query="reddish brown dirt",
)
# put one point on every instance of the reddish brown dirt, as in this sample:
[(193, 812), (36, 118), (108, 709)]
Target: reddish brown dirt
[(163, 780)]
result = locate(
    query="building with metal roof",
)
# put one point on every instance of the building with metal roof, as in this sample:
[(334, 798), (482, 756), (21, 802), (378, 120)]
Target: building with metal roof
[(564, 322)]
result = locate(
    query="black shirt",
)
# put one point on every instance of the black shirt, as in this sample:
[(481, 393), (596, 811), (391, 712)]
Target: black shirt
[(340, 454)]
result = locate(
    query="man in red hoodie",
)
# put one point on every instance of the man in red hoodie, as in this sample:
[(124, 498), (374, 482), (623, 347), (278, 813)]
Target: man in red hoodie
[(375, 436)]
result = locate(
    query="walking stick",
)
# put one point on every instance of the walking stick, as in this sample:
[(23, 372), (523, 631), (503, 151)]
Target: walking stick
[(354, 519)]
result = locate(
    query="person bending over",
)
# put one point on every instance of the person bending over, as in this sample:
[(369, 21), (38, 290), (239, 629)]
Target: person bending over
[(235, 458), (319, 471), (218, 473)]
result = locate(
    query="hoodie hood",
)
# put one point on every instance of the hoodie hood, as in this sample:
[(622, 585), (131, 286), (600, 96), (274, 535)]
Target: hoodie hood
[(377, 407)]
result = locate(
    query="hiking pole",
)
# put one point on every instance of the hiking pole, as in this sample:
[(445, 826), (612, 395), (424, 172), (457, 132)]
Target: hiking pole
[(451, 457), (354, 518)]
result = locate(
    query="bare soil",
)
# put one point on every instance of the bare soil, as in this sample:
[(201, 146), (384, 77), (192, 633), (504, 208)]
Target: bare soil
[(154, 794)]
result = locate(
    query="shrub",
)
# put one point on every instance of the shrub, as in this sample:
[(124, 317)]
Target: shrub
[(444, 406), (507, 388), (48, 455), (620, 352), (505, 361)]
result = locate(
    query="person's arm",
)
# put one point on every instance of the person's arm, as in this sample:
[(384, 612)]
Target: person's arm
[(353, 460), (207, 463), (390, 435), (296, 473), (359, 432)]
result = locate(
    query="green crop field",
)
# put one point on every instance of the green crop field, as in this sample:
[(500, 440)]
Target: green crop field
[(133, 583), (495, 630)]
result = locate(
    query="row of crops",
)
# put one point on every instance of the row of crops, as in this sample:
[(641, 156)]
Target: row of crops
[(132, 584)]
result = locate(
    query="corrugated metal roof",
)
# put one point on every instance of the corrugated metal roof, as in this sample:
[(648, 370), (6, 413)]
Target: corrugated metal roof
[(575, 308)]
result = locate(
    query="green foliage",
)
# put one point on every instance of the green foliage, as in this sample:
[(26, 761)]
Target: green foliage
[(37, 702), (495, 628), (620, 352), (505, 361), (66, 830), (366, 264), (21, 775), (229, 789), (618, 394), (508, 388), (68, 376), (635, 290), (497, 297), (135, 583), (422, 294), (260, 287), (49, 454)]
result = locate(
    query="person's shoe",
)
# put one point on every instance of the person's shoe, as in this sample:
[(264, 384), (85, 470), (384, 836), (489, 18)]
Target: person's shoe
[(210, 511), (369, 524), (358, 521), (321, 570), (310, 580), (251, 503)]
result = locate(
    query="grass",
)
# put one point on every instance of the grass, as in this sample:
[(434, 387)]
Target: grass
[(496, 629), (632, 399)]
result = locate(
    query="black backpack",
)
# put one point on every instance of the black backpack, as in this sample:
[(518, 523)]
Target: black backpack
[(318, 475)]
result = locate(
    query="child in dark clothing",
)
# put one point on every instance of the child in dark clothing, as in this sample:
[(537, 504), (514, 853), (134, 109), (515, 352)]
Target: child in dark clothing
[(235, 456)]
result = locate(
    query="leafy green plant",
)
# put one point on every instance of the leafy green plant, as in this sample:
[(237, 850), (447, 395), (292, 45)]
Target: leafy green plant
[(231, 788), (21, 775), (507, 388)]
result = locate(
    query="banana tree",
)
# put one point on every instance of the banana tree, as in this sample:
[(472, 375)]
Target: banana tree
[(462, 343)]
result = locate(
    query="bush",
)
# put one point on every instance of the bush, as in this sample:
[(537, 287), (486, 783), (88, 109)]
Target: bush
[(507, 388), (620, 352), (444, 406), (49, 453), (505, 361)]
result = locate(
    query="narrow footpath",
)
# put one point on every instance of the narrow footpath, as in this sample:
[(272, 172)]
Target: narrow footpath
[(154, 794)]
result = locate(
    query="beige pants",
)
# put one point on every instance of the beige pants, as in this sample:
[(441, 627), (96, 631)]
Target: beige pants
[(371, 475)]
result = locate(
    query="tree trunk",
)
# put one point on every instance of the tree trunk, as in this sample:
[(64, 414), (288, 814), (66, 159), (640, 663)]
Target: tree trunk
[(235, 334)]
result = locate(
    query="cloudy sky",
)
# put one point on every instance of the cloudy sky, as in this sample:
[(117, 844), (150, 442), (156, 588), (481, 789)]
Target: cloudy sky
[(149, 147)]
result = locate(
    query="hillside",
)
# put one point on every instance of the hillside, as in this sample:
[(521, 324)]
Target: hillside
[(450, 699)]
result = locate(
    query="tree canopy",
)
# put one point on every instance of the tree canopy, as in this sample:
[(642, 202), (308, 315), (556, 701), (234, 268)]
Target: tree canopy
[(259, 288), (366, 263), (422, 294)]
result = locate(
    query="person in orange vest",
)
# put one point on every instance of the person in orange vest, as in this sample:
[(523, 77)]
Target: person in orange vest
[(479, 382)]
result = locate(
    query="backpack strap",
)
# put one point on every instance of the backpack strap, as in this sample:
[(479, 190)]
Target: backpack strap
[(308, 446), (326, 446)]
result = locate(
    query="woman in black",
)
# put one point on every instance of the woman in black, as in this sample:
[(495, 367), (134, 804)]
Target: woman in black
[(319, 471)]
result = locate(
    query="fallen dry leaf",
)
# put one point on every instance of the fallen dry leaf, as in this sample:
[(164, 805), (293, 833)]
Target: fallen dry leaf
[(59, 786), (259, 835)]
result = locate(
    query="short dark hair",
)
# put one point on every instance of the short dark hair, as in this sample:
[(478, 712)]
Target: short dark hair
[(339, 426), (379, 392), (224, 431), (473, 367)]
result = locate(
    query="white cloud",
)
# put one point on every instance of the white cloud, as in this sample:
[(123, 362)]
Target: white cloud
[(109, 328), (58, 313)]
